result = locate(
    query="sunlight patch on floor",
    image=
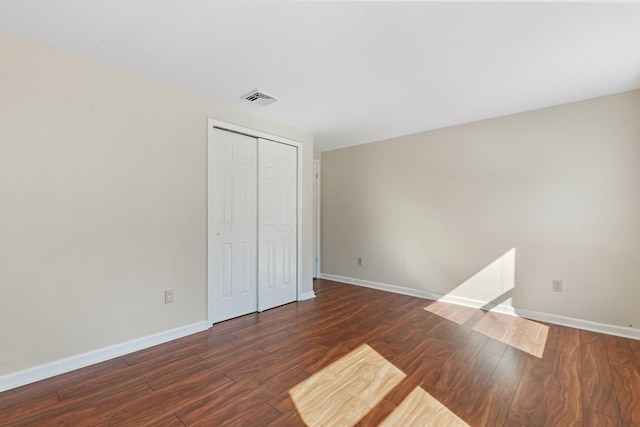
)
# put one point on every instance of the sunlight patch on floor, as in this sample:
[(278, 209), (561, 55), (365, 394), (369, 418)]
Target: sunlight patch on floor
[(419, 408), (345, 391), (517, 332), (453, 312), (523, 334)]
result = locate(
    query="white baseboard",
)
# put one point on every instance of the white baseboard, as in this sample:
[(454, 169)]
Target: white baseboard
[(468, 302), (381, 286), (555, 319), (68, 364), (587, 325), (306, 296)]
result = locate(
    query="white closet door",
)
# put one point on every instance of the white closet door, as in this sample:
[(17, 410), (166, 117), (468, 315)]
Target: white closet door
[(277, 224), (233, 225)]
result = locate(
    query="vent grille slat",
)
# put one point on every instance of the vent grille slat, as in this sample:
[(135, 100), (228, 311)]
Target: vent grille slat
[(258, 97)]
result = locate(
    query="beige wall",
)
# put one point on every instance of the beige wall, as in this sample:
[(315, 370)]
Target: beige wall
[(561, 186), (103, 179)]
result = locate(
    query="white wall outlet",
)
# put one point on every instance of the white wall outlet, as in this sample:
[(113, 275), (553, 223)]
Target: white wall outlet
[(360, 261), (168, 296), (556, 286)]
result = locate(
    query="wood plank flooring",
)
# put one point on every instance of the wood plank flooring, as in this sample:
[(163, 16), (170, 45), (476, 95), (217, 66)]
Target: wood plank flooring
[(352, 356)]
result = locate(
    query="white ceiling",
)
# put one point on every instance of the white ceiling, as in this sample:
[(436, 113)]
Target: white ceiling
[(354, 72)]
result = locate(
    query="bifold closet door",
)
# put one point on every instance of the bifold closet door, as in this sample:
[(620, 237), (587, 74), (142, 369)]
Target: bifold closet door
[(277, 224), (233, 219)]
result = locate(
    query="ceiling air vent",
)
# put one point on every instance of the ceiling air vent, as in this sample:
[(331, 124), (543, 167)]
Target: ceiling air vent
[(258, 97)]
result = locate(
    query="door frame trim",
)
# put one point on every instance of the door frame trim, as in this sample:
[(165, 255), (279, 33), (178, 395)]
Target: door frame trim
[(317, 229), (213, 123)]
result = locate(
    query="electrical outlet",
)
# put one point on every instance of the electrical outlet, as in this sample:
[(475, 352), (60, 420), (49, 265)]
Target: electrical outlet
[(360, 261), (556, 286), (168, 296)]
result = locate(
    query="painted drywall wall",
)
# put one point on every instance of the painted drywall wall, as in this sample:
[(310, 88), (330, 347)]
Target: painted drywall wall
[(103, 188), (496, 210)]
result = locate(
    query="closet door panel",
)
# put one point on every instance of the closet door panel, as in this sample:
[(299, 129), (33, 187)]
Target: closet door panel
[(277, 224), (233, 224)]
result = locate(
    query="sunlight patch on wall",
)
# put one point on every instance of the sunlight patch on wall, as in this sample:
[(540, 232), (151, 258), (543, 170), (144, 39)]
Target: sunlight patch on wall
[(523, 334), (419, 408), (345, 391), (489, 284)]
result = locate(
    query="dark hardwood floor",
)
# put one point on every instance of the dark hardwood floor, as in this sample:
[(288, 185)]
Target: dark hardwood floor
[(352, 356)]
